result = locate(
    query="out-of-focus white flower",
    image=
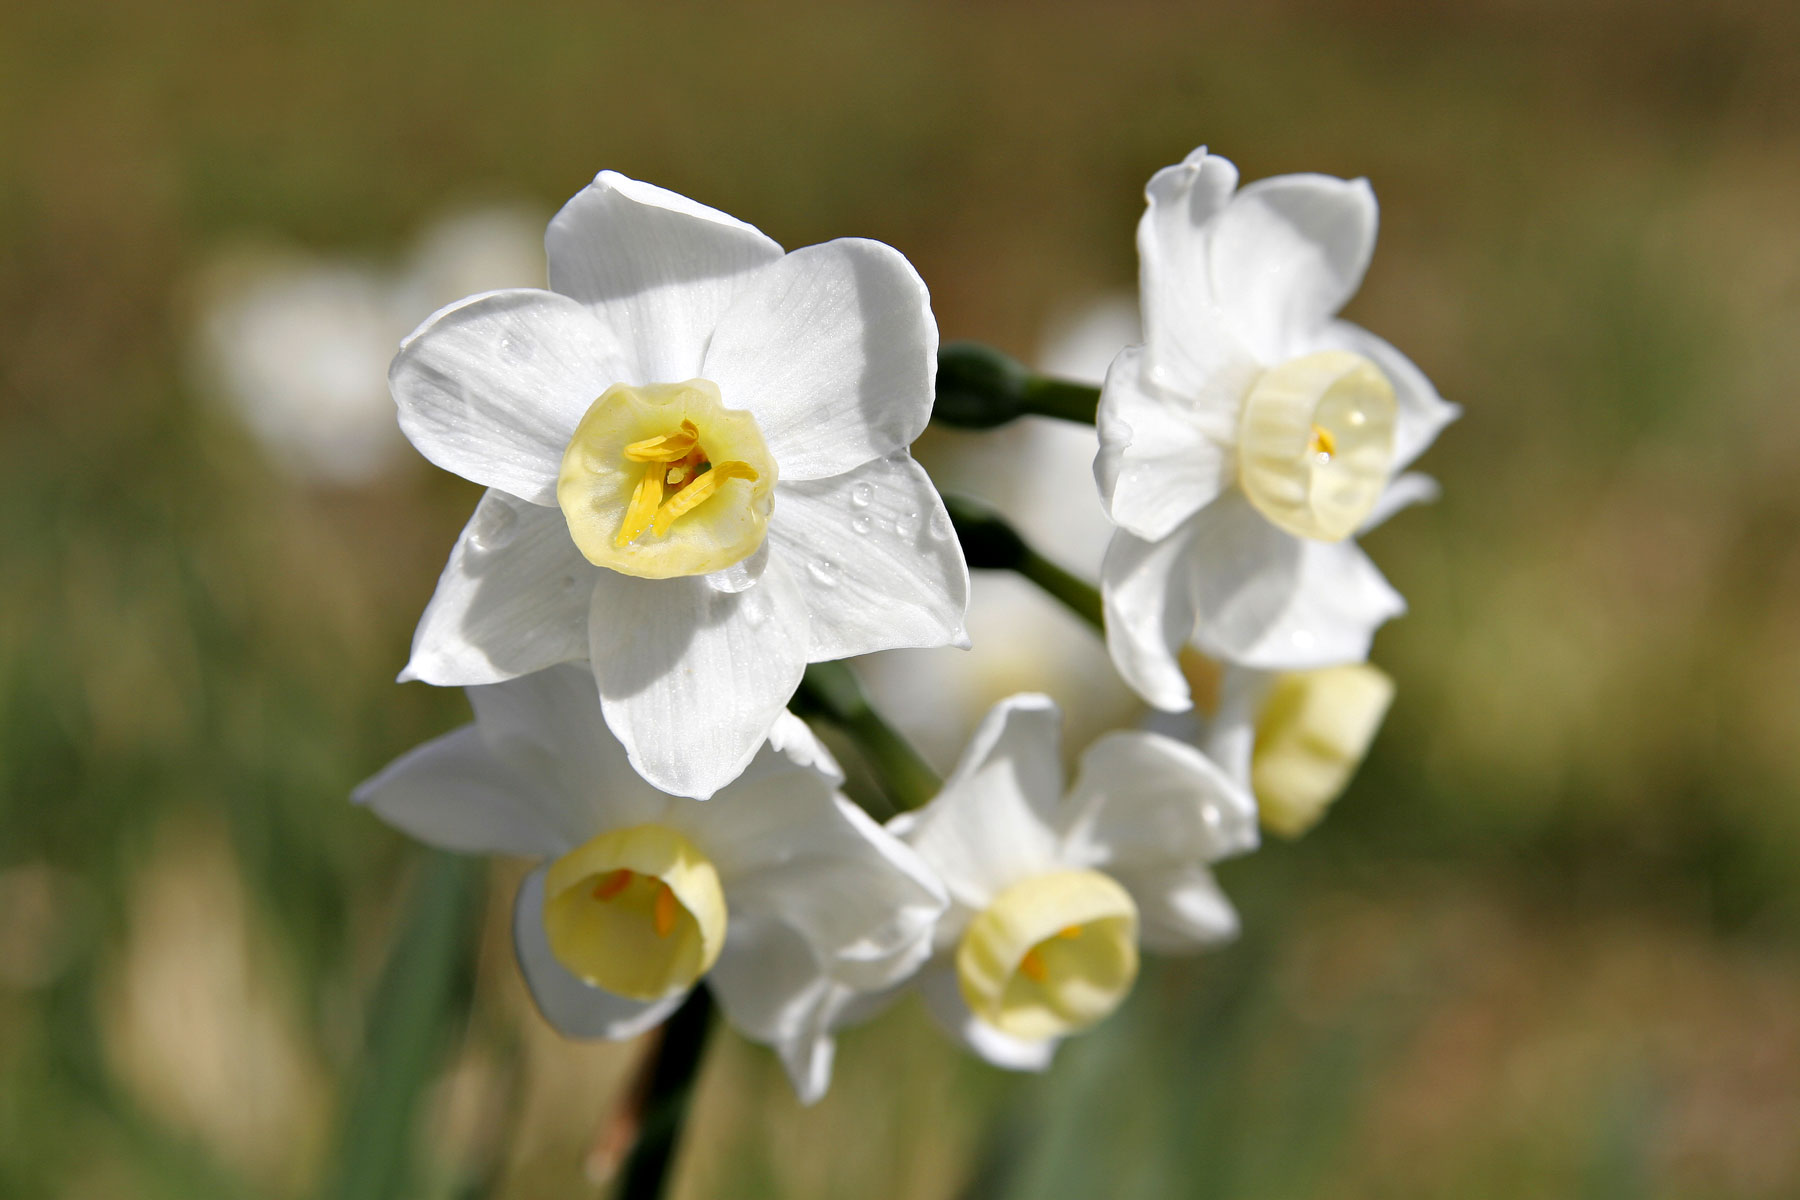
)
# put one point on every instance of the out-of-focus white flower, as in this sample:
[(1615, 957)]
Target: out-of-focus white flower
[(696, 450), (1294, 738), (298, 345), (778, 891), (1051, 894), (1253, 434)]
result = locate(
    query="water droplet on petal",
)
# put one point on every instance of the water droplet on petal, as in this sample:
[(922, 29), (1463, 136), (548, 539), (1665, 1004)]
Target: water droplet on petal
[(862, 522), (754, 604), (823, 571), (861, 494), (940, 528), (907, 524), (497, 526)]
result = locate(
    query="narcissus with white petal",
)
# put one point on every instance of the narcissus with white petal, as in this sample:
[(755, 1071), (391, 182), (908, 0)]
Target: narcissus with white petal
[(1253, 434), (1052, 894), (778, 892), (1295, 738), (696, 453)]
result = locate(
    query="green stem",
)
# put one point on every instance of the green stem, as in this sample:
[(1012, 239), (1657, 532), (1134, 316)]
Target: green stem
[(988, 541), (671, 1087), (978, 388), (832, 691), (424, 989)]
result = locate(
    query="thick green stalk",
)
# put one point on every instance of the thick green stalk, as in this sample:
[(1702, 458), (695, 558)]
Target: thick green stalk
[(671, 1087), (978, 388), (988, 541), (832, 691), (424, 991)]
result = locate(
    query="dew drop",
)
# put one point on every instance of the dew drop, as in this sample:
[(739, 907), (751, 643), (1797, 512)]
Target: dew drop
[(495, 530), (862, 522), (940, 528), (823, 571), (754, 604), (861, 494), (907, 523)]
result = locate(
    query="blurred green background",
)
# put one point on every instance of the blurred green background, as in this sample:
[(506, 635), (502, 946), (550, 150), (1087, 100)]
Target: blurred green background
[(1548, 945)]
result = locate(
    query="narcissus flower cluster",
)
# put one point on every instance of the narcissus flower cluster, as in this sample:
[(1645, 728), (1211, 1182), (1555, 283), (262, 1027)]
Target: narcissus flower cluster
[(697, 454)]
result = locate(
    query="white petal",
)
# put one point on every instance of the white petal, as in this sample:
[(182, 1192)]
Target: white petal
[(1245, 574), (1422, 412), (772, 990), (548, 724), (1150, 615), (691, 678), (1180, 908), (834, 349), (1163, 455), (994, 822), (657, 269), (576, 1009), (1409, 489), (1337, 601), (513, 598), (1143, 799), (456, 794), (1287, 252), (796, 740), (943, 998), (1188, 339), (878, 561), (492, 386), (787, 846)]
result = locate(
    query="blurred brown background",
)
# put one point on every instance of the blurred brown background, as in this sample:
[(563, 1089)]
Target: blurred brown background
[(1548, 945)]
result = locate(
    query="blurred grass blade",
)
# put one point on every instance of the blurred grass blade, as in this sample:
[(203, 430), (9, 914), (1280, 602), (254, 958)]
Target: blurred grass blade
[(424, 991)]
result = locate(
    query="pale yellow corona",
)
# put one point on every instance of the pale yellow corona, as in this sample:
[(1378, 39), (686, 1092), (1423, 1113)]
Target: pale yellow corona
[(637, 911), (1311, 735), (664, 480), (1052, 955), (1316, 443)]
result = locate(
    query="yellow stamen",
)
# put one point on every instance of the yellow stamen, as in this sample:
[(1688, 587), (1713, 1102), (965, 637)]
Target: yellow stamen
[(613, 884), (699, 492), (641, 512), (1322, 443), (1033, 968), (665, 910), (667, 448)]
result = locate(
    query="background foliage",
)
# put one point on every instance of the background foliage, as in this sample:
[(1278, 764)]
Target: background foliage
[(1548, 945)]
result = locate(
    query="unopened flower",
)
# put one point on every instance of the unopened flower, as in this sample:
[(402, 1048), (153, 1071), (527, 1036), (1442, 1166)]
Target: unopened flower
[(1253, 435), (696, 450), (1295, 738), (779, 892), (1051, 894)]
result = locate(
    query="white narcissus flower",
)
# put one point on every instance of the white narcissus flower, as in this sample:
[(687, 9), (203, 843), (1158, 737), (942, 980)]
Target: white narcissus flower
[(1051, 894), (1253, 434), (782, 894), (1294, 738), (696, 453)]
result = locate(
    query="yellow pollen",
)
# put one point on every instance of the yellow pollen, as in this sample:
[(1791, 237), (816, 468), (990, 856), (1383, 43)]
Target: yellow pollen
[(676, 474), (1069, 933), (1322, 444), (669, 447), (1033, 968), (641, 512), (613, 884), (663, 914)]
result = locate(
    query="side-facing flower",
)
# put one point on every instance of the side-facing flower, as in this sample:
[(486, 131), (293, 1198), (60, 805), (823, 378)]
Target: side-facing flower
[(1052, 894), (696, 453), (778, 891), (1294, 738), (1253, 434)]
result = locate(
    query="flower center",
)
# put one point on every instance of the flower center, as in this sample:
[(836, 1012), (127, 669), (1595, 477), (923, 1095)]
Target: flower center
[(1317, 442), (638, 912), (664, 480), (1312, 733), (1052, 954)]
